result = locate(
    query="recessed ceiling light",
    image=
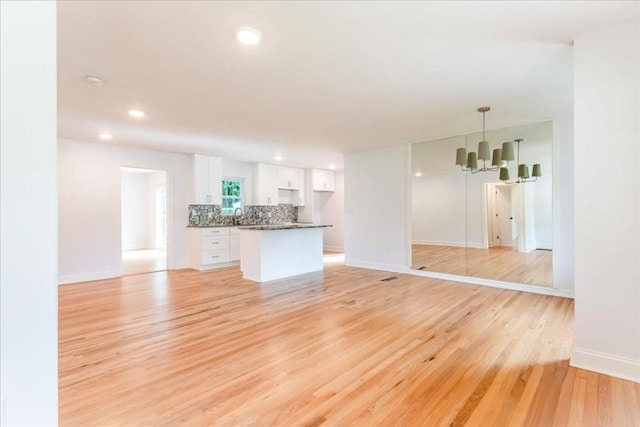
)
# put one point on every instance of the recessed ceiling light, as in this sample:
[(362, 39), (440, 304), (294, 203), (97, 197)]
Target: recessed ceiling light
[(248, 35), (418, 173), (105, 136), (332, 166), (93, 79), (278, 158), (136, 113)]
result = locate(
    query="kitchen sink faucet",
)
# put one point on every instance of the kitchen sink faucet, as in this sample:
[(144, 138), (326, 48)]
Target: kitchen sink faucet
[(236, 218)]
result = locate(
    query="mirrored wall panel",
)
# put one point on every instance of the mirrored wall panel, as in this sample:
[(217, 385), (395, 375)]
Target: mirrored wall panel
[(472, 222)]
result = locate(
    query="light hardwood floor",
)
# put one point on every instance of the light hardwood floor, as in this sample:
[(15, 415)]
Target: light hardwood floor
[(340, 347), (497, 263), (143, 261)]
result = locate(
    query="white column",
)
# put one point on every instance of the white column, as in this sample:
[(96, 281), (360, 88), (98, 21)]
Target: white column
[(28, 253), (607, 201)]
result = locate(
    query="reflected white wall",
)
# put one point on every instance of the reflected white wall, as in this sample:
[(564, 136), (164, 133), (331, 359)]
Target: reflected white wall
[(448, 204)]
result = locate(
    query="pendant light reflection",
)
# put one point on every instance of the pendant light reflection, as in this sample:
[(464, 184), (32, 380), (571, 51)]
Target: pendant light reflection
[(500, 158)]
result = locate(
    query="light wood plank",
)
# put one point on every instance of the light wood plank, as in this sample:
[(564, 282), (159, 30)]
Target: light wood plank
[(496, 263), (338, 347)]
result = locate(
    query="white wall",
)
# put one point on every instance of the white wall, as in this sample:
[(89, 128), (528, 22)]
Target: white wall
[(377, 221), (563, 204), (607, 201), (135, 208), (154, 179), (438, 197), (89, 207), (28, 292)]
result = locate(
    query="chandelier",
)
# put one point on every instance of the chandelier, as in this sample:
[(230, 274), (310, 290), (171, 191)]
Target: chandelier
[(523, 170), (500, 158)]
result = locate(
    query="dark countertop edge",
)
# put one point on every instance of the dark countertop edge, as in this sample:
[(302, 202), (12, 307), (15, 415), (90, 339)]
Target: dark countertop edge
[(280, 227), (214, 226), (257, 225)]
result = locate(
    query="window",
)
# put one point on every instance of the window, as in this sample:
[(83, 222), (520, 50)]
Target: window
[(231, 195)]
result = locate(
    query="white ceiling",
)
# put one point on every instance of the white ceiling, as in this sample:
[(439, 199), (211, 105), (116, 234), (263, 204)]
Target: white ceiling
[(328, 78)]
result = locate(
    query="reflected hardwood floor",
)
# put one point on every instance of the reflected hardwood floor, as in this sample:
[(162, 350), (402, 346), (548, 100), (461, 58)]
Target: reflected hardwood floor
[(143, 261), (339, 347), (497, 263)]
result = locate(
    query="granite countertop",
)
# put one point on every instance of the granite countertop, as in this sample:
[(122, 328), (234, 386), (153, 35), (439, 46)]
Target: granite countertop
[(262, 226), (218, 225), (222, 225), (267, 227)]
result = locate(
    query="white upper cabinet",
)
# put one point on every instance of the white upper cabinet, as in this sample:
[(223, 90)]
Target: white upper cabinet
[(289, 178), (324, 180), (299, 196), (207, 180), (265, 184)]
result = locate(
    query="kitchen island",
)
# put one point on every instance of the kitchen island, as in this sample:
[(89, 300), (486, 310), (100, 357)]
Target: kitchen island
[(269, 252)]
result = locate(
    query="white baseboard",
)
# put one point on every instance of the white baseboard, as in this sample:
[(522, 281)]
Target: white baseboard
[(439, 243), (87, 277), (446, 243), (334, 248), (534, 289), (608, 364), (214, 266), (378, 266)]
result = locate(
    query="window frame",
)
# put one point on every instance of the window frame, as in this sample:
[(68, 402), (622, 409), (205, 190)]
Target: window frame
[(223, 197)]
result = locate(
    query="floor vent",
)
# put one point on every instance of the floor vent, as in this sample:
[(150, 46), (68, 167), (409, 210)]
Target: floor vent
[(388, 279)]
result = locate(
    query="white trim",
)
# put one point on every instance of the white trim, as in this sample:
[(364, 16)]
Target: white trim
[(607, 364), (544, 247), (533, 289), (206, 267), (87, 277), (377, 266), (334, 248), (438, 243), (447, 243)]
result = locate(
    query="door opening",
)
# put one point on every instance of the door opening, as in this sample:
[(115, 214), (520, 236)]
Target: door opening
[(505, 222), (501, 227), (144, 220)]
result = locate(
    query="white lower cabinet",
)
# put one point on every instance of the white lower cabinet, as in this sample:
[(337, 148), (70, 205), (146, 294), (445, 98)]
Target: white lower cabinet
[(209, 247), (234, 244)]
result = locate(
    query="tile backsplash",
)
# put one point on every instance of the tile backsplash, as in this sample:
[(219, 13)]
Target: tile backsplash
[(211, 215)]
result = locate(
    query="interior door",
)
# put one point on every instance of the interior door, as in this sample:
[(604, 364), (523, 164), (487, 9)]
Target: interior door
[(504, 216)]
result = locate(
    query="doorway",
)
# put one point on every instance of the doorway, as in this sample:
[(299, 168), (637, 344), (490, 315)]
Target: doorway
[(501, 228), (144, 220), (505, 223)]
